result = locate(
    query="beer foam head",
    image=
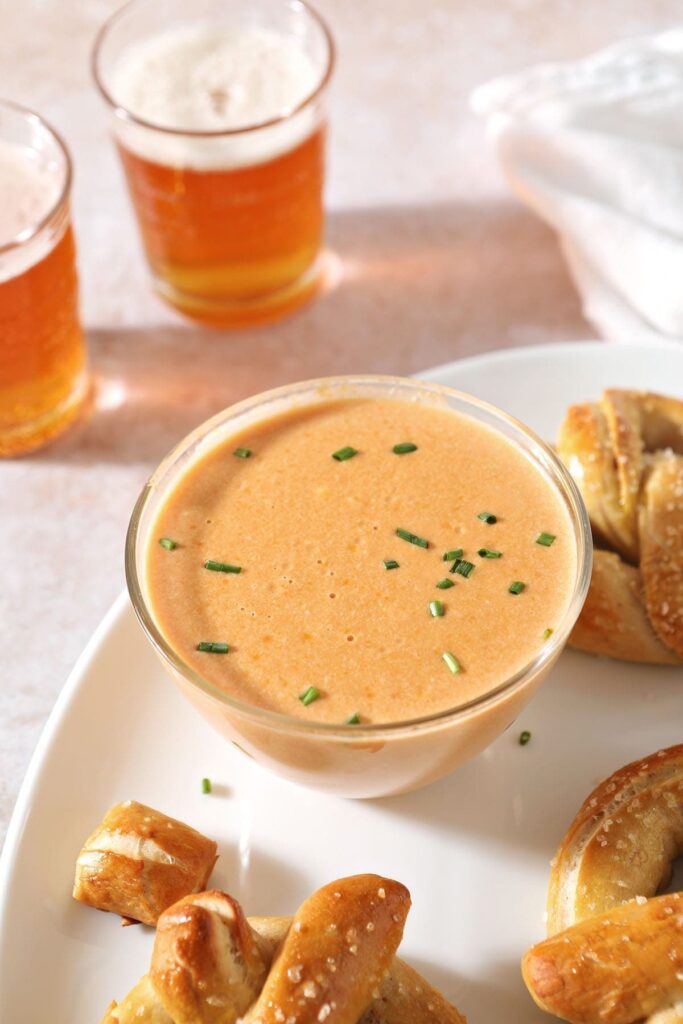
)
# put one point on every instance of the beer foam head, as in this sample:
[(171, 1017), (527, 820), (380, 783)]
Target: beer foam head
[(202, 78), (29, 189)]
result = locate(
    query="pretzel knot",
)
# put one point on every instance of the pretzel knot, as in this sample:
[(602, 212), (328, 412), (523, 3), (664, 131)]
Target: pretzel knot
[(626, 454), (334, 961), (615, 952)]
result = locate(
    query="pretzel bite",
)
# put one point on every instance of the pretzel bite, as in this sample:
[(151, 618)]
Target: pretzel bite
[(139, 861), (208, 964), (622, 842), (617, 968), (336, 954), (404, 997)]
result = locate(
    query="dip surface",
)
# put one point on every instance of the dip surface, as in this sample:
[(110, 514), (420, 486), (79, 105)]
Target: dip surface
[(314, 605)]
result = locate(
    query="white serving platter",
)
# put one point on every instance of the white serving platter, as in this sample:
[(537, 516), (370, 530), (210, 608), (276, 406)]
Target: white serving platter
[(473, 848)]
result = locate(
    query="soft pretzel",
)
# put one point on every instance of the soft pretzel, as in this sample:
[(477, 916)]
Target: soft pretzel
[(334, 961), (139, 861), (614, 955), (619, 967), (622, 842), (626, 454)]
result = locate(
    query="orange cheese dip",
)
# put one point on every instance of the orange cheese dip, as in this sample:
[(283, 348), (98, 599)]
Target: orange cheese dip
[(314, 605)]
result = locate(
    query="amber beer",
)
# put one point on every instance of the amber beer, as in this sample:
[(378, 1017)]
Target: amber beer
[(43, 379), (223, 151)]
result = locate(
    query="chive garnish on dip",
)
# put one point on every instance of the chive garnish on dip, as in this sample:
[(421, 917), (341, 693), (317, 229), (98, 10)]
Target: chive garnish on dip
[(436, 609), (213, 647), (545, 539), (353, 720), (462, 567), (487, 517), (168, 543), (445, 584), (524, 737), (517, 587), (488, 553), (452, 662), (390, 563), (309, 695), (206, 785), (404, 448), (547, 633), (448, 556), (242, 453), (342, 454), (412, 538), (221, 566)]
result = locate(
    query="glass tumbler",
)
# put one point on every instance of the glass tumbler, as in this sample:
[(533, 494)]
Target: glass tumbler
[(43, 375), (225, 173)]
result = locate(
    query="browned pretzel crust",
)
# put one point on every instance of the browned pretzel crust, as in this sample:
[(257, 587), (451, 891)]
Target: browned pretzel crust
[(334, 961), (616, 968), (626, 455), (622, 842), (336, 953), (139, 861)]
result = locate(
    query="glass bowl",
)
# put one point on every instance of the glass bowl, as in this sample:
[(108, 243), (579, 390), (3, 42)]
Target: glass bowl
[(365, 760)]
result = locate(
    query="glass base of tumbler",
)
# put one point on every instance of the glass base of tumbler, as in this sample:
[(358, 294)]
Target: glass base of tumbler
[(27, 437), (248, 312)]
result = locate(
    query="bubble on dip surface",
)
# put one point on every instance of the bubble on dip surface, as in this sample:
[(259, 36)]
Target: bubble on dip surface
[(315, 605)]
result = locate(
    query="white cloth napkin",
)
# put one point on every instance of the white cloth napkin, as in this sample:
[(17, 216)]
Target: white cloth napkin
[(596, 148)]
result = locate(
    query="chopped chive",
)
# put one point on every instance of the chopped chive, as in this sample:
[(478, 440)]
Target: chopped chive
[(452, 662), (545, 539), (206, 785), (488, 553), (309, 695), (242, 453), (487, 517), (213, 647), (463, 567), (221, 566), (390, 563), (524, 737), (448, 556), (353, 720), (405, 448), (412, 538), (342, 454), (168, 543), (445, 584), (436, 609), (547, 633), (517, 587)]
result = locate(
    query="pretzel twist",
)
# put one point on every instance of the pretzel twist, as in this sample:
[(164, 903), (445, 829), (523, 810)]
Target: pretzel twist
[(626, 455), (615, 952), (334, 961)]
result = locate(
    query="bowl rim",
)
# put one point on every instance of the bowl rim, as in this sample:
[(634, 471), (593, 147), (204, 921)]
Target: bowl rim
[(546, 461)]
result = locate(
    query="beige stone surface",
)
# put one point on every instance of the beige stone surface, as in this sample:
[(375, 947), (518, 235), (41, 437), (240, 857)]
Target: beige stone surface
[(432, 260)]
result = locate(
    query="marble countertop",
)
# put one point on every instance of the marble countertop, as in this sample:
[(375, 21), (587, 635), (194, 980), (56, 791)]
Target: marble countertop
[(433, 261)]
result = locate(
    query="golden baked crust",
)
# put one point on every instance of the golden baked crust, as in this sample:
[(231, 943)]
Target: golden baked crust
[(626, 455), (336, 953), (334, 959), (616, 968), (139, 861), (614, 955), (207, 965), (622, 842)]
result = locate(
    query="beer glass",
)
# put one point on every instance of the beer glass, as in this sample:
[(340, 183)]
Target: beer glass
[(225, 173), (43, 376)]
